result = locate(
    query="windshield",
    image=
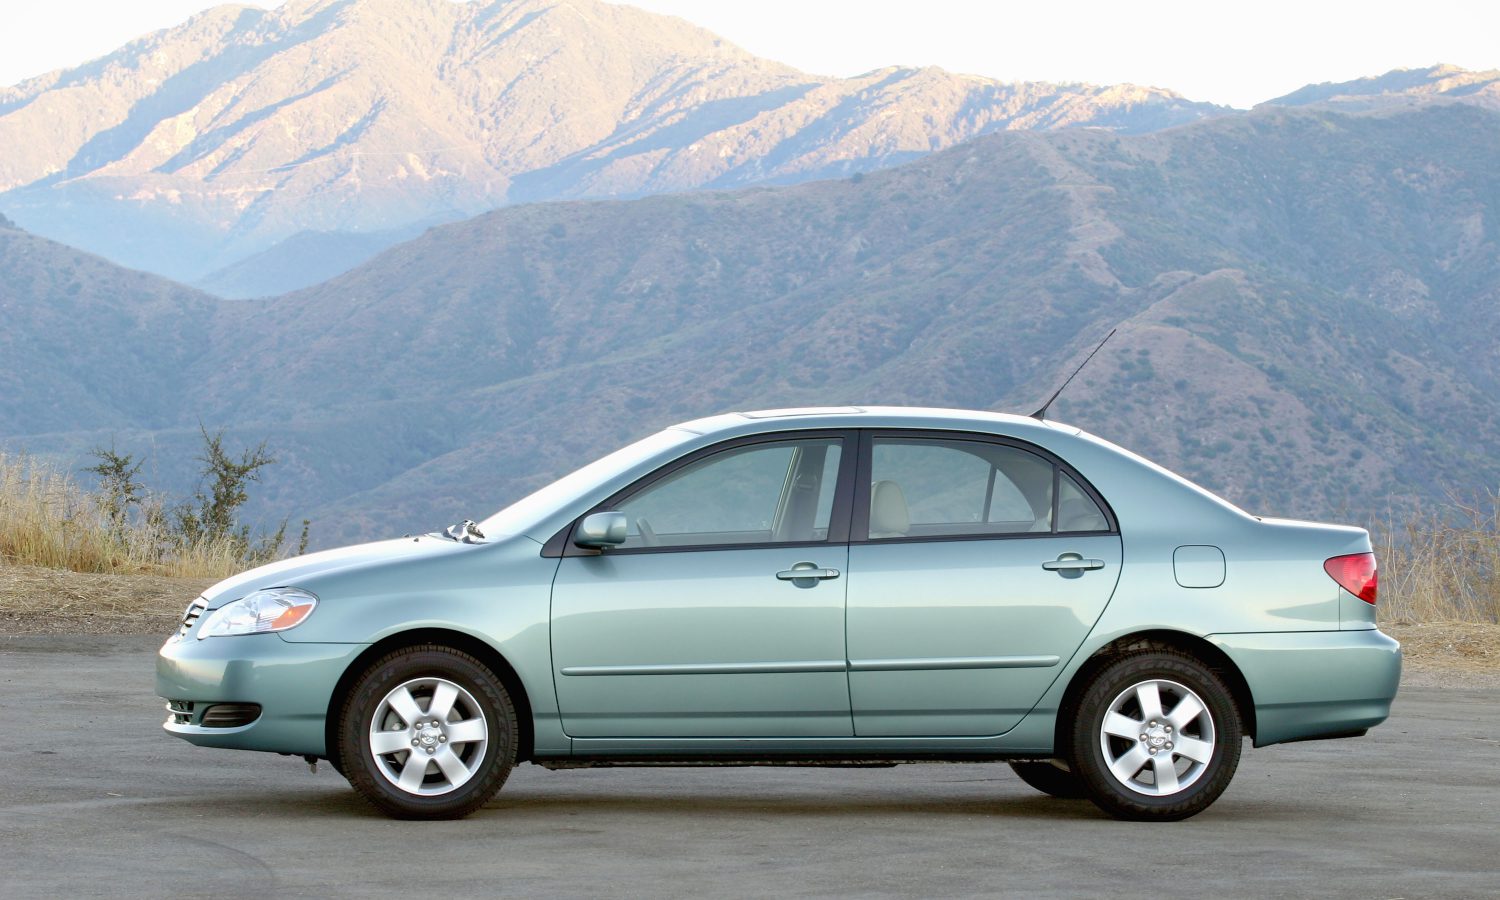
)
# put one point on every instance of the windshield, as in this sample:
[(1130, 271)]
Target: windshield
[(532, 508)]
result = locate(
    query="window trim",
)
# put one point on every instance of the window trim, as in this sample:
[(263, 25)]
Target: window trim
[(859, 526), (561, 544)]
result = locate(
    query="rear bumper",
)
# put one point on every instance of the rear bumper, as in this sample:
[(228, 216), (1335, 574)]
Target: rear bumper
[(292, 684), (1315, 684)]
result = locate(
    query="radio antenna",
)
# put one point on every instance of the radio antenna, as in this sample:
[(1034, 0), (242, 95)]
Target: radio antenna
[(1042, 413)]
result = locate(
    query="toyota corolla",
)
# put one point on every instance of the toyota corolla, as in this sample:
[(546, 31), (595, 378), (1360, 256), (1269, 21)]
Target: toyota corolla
[(811, 586)]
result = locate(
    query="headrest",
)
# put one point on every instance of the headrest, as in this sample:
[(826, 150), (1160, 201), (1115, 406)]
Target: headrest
[(889, 516), (1080, 515)]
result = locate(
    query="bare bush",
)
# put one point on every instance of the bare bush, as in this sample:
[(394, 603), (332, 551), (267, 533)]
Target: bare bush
[(1442, 565), (47, 519)]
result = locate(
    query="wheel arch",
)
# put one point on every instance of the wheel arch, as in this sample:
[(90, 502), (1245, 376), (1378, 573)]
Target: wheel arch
[(1181, 641), (493, 659)]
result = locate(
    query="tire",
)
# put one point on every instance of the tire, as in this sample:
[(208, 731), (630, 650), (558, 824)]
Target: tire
[(1051, 780), (414, 762), (1161, 759)]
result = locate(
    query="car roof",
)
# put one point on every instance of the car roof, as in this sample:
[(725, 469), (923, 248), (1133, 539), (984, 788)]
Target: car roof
[(866, 417)]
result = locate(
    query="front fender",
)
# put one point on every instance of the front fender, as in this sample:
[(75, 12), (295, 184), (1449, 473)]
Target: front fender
[(500, 596)]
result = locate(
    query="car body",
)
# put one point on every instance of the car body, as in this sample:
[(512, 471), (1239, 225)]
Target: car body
[(820, 585)]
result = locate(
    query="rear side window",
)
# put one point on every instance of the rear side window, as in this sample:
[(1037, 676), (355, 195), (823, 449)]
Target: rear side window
[(931, 487)]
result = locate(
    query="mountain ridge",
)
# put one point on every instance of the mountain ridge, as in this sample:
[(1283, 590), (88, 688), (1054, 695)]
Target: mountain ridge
[(192, 148), (1435, 83)]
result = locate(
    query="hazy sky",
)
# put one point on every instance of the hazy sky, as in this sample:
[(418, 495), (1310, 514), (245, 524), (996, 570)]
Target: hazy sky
[(1238, 53)]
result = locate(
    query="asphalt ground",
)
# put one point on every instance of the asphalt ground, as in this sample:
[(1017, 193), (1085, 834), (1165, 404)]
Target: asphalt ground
[(96, 800)]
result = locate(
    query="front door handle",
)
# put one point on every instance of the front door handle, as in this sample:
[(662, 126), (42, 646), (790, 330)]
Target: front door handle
[(1070, 563), (806, 572)]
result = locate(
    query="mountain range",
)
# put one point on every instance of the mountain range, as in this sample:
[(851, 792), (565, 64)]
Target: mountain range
[(1306, 297), (328, 129), (1403, 87)]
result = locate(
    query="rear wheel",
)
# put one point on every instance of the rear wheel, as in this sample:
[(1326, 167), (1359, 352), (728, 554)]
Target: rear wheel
[(1156, 736), (1051, 780), (428, 732)]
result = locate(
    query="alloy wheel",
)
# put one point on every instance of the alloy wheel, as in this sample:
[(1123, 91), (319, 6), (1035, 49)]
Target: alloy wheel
[(428, 736), (1157, 737)]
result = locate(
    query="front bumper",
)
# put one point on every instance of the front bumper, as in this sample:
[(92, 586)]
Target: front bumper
[(1312, 684), (291, 683)]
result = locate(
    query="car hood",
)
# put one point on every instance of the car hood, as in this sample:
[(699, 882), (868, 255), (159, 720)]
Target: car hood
[(289, 572)]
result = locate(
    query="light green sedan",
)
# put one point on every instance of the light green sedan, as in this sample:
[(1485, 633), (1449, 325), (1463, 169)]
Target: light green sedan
[(814, 586)]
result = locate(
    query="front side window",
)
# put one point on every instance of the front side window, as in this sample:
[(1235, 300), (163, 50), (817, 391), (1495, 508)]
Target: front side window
[(765, 493), (922, 487)]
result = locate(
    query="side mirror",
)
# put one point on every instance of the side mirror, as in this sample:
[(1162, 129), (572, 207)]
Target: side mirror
[(602, 529)]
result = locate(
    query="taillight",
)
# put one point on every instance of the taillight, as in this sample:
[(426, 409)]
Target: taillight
[(1355, 573)]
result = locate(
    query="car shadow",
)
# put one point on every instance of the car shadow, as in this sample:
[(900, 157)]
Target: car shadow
[(343, 802), (530, 802), (594, 803)]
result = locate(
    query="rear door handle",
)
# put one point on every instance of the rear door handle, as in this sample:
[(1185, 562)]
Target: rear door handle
[(806, 570), (1072, 562)]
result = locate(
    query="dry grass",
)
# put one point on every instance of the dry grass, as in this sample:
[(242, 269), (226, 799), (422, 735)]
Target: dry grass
[(1441, 568), (36, 600), (1467, 647), (48, 520)]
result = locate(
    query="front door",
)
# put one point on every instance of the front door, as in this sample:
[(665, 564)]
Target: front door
[(700, 624), (977, 569)]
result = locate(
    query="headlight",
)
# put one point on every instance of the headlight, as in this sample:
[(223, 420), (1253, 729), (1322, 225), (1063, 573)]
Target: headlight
[(273, 609)]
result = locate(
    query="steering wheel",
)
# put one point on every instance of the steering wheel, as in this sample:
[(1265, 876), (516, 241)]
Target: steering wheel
[(648, 534)]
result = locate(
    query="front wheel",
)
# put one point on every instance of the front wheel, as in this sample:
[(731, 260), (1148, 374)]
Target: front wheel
[(427, 732), (1156, 736)]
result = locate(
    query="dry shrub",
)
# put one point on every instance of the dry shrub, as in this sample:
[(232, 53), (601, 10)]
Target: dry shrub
[(1441, 566), (48, 520)]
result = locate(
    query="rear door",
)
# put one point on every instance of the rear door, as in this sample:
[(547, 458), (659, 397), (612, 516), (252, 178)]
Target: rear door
[(976, 568)]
